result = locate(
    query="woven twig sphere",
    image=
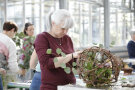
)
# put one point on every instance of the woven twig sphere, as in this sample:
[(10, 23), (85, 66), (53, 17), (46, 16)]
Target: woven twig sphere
[(98, 67)]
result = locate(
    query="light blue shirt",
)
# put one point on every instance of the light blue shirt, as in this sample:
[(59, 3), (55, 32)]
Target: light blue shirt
[(38, 67)]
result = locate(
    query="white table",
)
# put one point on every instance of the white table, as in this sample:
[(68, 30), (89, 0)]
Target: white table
[(129, 61), (71, 87), (81, 86), (19, 85)]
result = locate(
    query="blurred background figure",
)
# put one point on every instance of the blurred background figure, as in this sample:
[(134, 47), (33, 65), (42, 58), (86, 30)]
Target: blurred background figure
[(29, 29), (131, 44), (8, 57), (131, 47), (27, 50)]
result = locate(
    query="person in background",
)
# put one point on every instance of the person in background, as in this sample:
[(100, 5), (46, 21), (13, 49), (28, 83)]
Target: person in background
[(8, 57), (27, 50), (131, 47), (131, 44), (29, 29), (52, 75), (34, 64)]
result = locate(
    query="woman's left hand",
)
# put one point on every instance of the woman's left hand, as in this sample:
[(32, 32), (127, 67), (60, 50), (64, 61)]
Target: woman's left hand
[(77, 54)]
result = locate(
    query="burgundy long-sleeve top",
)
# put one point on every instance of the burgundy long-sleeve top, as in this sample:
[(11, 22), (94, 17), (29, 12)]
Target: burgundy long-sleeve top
[(51, 77)]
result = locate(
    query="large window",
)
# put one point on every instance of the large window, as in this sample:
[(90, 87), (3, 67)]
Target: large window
[(87, 14), (22, 11), (88, 27), (2, 16), (121, 22), (15, 12)]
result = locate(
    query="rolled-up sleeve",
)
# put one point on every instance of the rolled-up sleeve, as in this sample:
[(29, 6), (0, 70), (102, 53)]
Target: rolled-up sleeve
[(41, 45)]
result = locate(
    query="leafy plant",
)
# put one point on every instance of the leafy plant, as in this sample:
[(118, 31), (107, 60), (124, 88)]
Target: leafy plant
[(98, 67), (25, 44), (63, 65), (18, 39)]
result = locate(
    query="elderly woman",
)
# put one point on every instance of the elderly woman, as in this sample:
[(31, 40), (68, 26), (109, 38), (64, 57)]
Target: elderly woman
[(52, 75), (131, 45)]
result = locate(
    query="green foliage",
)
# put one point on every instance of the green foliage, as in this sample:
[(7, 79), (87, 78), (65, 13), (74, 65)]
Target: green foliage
[(27, 50), (101, 45), (63, 54), (55, 60), (99, 73), (74, 71), (67, 70), (63, 65), (25, 44), (49, 51), (58, 50), (18, 38), (112, 44), (74, 64), (6, 79)]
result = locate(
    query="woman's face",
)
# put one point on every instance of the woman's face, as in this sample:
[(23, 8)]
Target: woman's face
[(133, 37), (12, 33), (30, 30), (58, 31)]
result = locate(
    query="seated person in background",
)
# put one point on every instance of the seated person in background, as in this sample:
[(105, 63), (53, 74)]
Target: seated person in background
[(8, 57), (131, 45)]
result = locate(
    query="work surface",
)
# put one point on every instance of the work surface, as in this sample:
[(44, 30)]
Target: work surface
[(124, 83)]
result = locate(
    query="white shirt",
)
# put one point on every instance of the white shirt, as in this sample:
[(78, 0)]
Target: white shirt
[(12, 58)]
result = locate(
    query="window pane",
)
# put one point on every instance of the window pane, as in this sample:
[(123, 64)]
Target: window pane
[(1, 14), (16, 13)]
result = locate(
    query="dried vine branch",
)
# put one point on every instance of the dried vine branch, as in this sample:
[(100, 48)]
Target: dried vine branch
[(98, 67)]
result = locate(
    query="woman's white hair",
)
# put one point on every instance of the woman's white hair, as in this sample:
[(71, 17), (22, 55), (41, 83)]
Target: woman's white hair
[(132, 32), (58, 17)]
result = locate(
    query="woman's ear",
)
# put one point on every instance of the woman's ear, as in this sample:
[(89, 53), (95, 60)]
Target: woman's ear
[(53, 23)]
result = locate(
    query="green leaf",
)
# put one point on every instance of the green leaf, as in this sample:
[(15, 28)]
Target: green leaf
[(74, 71), (63, 65), (113, 42), (95, 43), (101, 45), (74, 64), (67, 70), (55, 60), (123, 79), (63, 54), (49, 51), (89, 54), (58, 50)]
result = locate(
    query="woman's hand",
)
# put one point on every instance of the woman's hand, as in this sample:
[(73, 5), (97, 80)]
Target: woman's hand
[(77, 54), (2, 71)]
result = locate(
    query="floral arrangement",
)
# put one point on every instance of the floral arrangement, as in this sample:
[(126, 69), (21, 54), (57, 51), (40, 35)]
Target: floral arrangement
[(25, 44), (98, 67)]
